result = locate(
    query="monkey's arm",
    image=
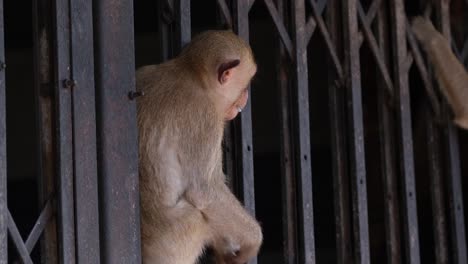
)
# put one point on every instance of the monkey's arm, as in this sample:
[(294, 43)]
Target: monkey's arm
[(450, 73)]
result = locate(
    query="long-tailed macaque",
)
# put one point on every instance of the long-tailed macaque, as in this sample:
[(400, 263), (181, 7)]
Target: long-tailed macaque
[(450, 73), (185, 203)]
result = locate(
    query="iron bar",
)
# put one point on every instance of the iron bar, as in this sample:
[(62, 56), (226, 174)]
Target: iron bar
[(339, 145), (63, 104), (436, 189), (356, 132), (183, 24), (388, 152), (43, 89), (404, 132), (243, 125), (301, 135), (453, 158), (117, 132), (3, 157), (84, 132), (288, 182)]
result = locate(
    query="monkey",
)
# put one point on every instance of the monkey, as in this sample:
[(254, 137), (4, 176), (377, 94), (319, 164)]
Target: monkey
[(186, 205), (451, 75)]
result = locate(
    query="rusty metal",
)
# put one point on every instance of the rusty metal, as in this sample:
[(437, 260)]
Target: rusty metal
[(43, 79), (117, 132), (301, 135)]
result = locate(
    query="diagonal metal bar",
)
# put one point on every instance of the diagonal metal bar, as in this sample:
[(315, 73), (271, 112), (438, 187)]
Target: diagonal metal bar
[(280, 27), (375, 50), (326, 36), (225, 11), (422, 70), (310, 28), (18, 241), (320, 4), (372, 10), (40, 225), (250, 4)]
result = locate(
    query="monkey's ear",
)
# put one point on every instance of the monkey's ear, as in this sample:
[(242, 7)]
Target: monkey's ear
[(224, 72)]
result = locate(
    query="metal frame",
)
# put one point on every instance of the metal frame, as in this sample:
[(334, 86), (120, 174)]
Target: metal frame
[(84, 72)]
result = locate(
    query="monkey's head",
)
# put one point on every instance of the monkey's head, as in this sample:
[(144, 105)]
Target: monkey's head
[(225, 64)]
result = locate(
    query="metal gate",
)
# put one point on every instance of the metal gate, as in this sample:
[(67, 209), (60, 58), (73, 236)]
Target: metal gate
[(345, 153)]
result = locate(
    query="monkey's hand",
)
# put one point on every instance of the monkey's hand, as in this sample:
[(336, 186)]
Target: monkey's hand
[(424, 30)]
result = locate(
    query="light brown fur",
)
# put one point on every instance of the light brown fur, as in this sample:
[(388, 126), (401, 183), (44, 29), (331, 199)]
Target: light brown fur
[(450, 73), (185, 202)]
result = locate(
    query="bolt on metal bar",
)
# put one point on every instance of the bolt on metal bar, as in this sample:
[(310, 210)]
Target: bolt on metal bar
[(404, 131), (117, 132), (356, 132), (302, 135), (64, 133)]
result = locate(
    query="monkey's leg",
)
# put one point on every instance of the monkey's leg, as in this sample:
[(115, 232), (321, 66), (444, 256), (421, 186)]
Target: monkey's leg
[(177, 237), (451, 74)]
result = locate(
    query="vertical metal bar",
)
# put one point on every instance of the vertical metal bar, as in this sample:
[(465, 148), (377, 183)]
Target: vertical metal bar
[(117, 132), (183, 24), (302, 135), (3, 162), (84, 132), (400, 73), (453, 159), (356, 139), (63, 97), (43, 83), (287, 151), (437, 192), (163, 32), (243, 125), (388, 151), (339, 148)]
